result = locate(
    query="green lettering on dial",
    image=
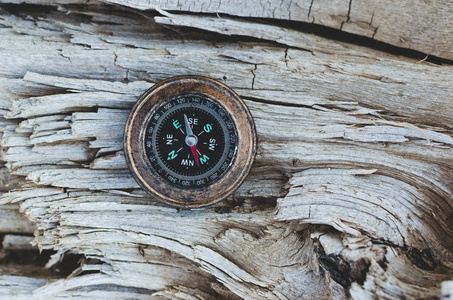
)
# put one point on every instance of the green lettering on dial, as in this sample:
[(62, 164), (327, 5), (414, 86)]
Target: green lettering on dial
[(204, 159), (172, 155), (207, 127), (176, 124)]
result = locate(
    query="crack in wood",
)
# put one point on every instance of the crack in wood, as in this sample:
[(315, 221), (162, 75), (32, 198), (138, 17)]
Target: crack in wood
[(254, 76), (390, 198), (309, 11)]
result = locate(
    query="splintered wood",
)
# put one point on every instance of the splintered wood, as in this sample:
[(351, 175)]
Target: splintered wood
[(351, 191)]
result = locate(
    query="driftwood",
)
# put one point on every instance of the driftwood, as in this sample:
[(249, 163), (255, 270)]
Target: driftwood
[(351, 191)]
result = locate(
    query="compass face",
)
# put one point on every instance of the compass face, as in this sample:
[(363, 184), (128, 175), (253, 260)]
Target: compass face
[(190, 141)]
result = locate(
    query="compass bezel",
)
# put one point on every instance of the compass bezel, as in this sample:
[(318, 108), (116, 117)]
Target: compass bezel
[(135, 150)]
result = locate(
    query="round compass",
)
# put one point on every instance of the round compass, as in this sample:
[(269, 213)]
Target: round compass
[(190, 141)]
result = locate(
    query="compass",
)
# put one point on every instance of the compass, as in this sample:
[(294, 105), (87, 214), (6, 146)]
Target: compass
[(190, 141)]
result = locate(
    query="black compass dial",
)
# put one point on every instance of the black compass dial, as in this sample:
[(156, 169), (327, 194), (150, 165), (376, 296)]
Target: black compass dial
[(190, 140)]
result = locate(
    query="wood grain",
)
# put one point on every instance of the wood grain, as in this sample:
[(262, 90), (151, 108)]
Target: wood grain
[(421, 26), (350, 194)]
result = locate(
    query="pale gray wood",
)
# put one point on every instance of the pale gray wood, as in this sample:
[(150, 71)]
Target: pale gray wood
[(447, 290), (18, 243), (12, 221), (19, 288), (353, 166), (421, 26)]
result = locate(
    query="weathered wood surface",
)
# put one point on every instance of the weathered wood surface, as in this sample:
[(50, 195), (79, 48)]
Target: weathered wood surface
[(350, 195), (418, 25)]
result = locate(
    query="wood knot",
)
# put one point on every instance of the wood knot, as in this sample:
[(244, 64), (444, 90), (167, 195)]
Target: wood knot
[(344, 272), (422, 258)]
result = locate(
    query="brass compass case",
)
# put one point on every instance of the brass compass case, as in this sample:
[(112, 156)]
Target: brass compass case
[(156, 172)]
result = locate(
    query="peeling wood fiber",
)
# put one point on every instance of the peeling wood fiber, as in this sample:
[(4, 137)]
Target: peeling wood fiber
[(351, 191), (420, 26)]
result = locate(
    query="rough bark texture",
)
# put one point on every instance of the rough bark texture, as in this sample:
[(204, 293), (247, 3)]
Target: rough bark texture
[(351, 191)]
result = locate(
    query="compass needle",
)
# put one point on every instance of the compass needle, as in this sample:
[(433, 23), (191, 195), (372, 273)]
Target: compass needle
[(195, 154), (188, 129), (191, 140)]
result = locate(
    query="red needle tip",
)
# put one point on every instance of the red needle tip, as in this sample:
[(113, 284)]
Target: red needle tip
[(195, 154)]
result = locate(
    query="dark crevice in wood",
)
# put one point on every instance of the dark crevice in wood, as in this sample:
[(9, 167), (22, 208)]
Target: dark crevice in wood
[(337, 35), (254, 76), (197, 34), (345, 272), (369, 42), (422, 258), (28, 8), (31, 263), (341, 270), (97, 155), (236, 204), (41, 90), (83, 14), (271, 102)]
